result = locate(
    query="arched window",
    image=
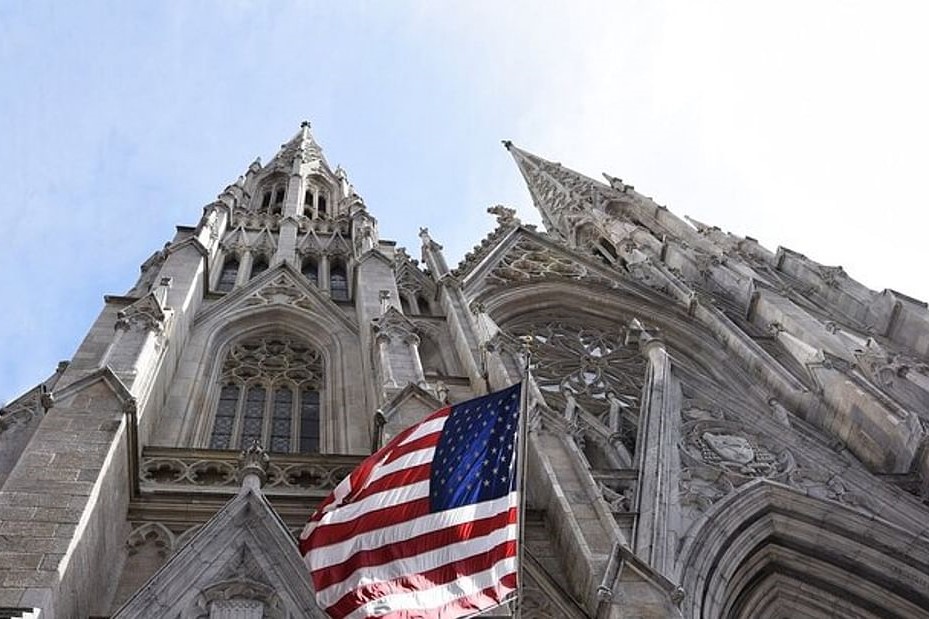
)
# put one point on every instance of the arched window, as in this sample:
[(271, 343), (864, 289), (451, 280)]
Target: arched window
[(279, 196), (338, 282), (311, 270), (321, 205), (269, 392), (266, 199), (228, 275), (423, 304), (259, 266)]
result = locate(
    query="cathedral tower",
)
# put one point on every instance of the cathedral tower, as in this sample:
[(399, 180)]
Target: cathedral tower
[(716, 430)]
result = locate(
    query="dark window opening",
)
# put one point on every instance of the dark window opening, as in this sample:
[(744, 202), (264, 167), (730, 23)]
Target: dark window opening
[(311, 271), (266, 199), (259, 266), (228, 275), (279, 196), (225, 417), (309, 422), (423, 305), (321, 205), (338, 283)]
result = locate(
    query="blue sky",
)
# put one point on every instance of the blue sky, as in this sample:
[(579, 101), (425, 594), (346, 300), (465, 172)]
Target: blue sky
[(801, 124)]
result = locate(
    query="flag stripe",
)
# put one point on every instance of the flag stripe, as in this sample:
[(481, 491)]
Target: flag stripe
[(421, 455), (433, 423), (380, 558), (424, 579), (465, 605), (427, 526), (393, 498), (403, 532), (434, 599)]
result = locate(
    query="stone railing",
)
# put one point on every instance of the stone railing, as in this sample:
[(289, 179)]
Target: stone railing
[(167, 469)]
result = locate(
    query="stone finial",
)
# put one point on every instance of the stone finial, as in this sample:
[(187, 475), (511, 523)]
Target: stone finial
[(253, 466), (505, 216), (507, 144), (384, 297)]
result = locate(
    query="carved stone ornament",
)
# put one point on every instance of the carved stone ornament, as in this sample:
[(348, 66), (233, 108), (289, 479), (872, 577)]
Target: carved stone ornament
[(724, 447), (594, 366), (505, 216), (286, 474), (822, 485), (254, 461), (530, 260), (146, 314), (393, 325), (281, 291)]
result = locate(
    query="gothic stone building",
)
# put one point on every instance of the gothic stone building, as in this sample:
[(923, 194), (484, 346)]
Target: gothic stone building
[(715, 430)]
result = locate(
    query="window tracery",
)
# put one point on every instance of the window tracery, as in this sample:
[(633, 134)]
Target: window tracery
[(592, 365), (269, 392)]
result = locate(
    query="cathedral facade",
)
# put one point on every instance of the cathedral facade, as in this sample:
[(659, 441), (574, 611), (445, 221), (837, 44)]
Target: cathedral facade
[(715, 430)]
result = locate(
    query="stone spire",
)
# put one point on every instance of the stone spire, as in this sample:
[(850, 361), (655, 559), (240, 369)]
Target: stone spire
[(302, 148), (564, 197)]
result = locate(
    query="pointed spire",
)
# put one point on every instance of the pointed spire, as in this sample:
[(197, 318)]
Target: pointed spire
[(302, 148), (559, 192)]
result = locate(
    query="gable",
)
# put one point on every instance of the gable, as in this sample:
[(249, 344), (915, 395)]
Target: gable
[(244, 558), (281, 287)]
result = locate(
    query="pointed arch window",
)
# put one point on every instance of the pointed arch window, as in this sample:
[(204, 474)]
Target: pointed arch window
[(269, 392), (310, 270), (423, 305), (228, 274), (338, 281), (259, 266)]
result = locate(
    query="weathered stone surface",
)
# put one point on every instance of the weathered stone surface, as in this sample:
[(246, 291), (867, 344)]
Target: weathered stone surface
[(716, 429)]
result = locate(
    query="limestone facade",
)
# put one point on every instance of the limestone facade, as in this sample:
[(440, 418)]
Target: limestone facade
[(716, 430)]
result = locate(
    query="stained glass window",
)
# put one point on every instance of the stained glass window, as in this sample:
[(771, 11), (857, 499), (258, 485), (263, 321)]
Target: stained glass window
[(271, 393)]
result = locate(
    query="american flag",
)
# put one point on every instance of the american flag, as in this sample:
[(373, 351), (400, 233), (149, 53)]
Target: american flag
[(427, 526)]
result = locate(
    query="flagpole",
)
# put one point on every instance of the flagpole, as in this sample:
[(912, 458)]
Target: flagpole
[(523, 434)]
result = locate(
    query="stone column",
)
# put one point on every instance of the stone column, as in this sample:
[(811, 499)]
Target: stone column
[(412, 340), (655, 455), (457, 311), (245, 268)]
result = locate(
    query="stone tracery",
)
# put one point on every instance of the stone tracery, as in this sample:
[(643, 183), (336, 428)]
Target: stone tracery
[(587, 366), (270, 392)]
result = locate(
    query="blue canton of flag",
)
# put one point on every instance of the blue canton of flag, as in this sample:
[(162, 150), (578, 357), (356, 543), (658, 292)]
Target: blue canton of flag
[(475, 460)]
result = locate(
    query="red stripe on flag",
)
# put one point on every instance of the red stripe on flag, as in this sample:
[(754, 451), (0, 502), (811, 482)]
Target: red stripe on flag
[(424, 581), (375, 519), (395, 480), (484, 599), (360, 474), (423, 442), (413, 546)]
